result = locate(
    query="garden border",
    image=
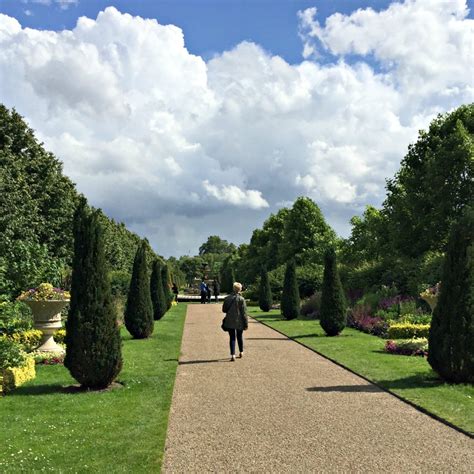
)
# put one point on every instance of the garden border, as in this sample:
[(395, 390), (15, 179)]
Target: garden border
[(414, 405)]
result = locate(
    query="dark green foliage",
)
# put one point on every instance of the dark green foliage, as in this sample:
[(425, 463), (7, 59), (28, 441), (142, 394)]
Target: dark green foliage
[(166, 284), (37, 204), (333, 304), (451, 339), (139, 308), (158, 299), (290, 298), (216, 245), (265, 299), (93, 344), (227, 276)]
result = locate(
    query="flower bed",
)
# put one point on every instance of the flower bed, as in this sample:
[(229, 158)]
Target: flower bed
[(407, 330), (415, 346)]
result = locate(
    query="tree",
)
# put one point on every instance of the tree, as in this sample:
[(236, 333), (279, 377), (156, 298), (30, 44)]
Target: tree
[(435, 183), (333, 304), (290, 298), (227, 276), (139, 308), (160, 305), (306, 234), (93, 344), (166, 281), (265, 300), (215, 244), (451, 338)]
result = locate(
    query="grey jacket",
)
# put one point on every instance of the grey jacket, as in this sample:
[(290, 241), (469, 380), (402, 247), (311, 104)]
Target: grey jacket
[(236, 312)]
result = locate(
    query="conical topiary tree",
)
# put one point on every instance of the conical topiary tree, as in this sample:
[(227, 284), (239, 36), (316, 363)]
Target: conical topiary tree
[(265, 299), (333, 303), (227, 276), (93, 343), (165, 281), (451, 338), (157, 294), (139, 308), (290, 298)]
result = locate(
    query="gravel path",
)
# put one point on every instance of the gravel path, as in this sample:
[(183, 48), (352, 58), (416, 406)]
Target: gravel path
[(283, 408)]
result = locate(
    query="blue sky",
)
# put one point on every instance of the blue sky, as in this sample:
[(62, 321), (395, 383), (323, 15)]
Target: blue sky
[(182, 141), (210, 26)]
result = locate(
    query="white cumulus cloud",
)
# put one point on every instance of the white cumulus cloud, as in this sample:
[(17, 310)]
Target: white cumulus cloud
[(177, 147)]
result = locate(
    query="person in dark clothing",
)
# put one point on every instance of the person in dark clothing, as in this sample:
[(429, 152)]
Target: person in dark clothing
[(203, 292), (215, 288), (208, 290), (236, 319), (175, 291)]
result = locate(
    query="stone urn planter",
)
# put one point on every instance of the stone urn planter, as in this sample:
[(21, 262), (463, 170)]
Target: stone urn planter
[(47, 318)]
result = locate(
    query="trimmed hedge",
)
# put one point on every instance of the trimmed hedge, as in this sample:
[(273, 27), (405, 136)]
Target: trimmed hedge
[(408, 331), (15, 376), (28, 339)]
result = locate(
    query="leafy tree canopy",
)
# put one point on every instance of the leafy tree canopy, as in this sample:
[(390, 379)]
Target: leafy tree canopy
[(215, 244)]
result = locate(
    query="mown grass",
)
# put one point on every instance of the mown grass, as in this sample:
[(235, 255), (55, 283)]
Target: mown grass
[(122, 430), (409, 377)]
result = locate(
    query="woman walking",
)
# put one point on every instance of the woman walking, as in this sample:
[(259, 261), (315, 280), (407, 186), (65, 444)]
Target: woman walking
[(236, 319)]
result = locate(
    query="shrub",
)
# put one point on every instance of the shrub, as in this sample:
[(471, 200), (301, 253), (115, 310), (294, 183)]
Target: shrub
[(290, 298), (416, 346), (60, 336), (14, 317), (407, 330), (311, 306), (119, 283), (265, 300), (451, 346), (156, 291), (139, 309), (13, 377), (165, 279), (417, 318), (333, 304), (93, 343), (27, 339), (361, 318), (11, 354)]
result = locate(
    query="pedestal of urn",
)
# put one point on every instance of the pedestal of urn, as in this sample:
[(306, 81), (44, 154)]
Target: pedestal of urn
[(47, 318)]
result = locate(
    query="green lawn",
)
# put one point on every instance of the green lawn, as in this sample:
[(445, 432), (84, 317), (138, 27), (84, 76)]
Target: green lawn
[(409, 377), (123, 430)]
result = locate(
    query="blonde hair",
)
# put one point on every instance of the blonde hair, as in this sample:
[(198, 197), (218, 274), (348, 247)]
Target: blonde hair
[(237, 287)]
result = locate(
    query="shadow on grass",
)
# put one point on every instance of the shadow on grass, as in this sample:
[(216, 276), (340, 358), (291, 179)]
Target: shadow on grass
[(189, 362), (346, 389), (414, 381), (48, 389)]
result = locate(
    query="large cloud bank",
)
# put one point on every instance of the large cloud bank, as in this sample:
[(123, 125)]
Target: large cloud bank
[(180, 149)]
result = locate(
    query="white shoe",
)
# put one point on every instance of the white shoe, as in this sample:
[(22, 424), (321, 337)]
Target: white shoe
[(232, 358), (241, 355)]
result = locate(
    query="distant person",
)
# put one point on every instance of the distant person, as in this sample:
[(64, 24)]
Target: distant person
[(208, 290), (215, 289), (175, 291), (236, 319), (203, 288)]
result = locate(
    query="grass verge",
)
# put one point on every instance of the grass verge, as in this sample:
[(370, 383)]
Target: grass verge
[(409, 377), (122, 430)]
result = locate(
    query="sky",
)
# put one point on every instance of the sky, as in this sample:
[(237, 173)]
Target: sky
[(192, 118)]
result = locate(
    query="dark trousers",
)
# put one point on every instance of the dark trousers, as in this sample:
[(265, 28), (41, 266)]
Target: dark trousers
[(240, 340), (203, 297)]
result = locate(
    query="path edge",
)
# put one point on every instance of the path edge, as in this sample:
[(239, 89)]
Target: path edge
[(404, 400)]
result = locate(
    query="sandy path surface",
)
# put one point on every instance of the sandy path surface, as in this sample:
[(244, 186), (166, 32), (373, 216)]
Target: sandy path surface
[(283, 408)]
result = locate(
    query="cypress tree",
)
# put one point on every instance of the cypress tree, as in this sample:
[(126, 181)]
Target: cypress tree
[(139, 308), (451, 338), (157, 293), (333, 303), (290, 298), (93, 343), (265, 300), (165, 281), (227, 276)]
